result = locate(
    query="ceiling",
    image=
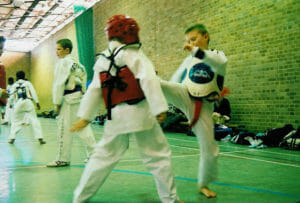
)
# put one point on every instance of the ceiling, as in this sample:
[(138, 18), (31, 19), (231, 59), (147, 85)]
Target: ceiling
[(26, 23)]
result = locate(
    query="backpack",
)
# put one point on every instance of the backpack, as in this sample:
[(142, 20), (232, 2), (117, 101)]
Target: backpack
[(291, 141), (242, 138), (221, 131), (274, 136)]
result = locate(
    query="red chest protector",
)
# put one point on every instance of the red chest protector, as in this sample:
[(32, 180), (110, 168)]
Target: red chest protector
[(123, 87)]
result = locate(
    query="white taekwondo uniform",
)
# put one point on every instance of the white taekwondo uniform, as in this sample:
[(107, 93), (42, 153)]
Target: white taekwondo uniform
[(137, 120), (178, 95), (69, 74), (9, 106), (24, 107)]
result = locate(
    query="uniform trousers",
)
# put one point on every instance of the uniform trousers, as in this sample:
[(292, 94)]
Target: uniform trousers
[(154, 151), (177, 94), (22, 109), (66, 118)]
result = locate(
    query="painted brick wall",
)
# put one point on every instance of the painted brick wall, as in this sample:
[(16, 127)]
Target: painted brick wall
[(16, 61), (260, 39)]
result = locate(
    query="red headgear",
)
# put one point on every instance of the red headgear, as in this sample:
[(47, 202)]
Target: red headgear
[(123, 27)]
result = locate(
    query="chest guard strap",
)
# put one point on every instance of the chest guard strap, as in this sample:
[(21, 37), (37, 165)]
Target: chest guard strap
[(22, 92), (123, 87)]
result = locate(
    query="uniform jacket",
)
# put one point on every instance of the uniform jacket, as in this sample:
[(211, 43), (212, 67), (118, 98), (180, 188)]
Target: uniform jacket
[(213, 58), (62, 74), (127, 118), (29, 87)]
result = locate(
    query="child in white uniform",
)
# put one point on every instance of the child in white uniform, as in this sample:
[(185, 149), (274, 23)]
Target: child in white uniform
[(181, 95), (23, 93), (133, 117), (68, 87), (9, 104)]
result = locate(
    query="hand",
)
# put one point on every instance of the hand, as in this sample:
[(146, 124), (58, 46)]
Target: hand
[(4, 93), (79, 125), (57, 110), (161, 117), (188, 47), (38, 106)]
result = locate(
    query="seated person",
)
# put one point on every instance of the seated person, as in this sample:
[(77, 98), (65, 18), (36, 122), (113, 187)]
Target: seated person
[(221, 117), (221, 114)]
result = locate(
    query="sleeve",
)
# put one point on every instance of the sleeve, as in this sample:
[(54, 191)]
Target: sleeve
[(32, 92), (84, 81), (213, 58), (143, 70), (61, 75), (89, 105), (12, 93)]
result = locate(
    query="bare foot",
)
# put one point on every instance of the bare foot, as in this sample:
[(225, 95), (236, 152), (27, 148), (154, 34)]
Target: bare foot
[(207, 192)]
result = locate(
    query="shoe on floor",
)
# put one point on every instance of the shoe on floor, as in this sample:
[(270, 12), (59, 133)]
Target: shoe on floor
[(42, 141), (11, 141), (58, 164)]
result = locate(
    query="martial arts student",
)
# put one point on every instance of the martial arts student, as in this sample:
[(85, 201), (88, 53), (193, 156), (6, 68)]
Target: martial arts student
[(192, 89), (24, 94), (134, 100), (68, 87), (9, 104)]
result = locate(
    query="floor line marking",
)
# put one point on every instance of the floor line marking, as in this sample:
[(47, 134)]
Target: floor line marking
[(179, 178), (215, 183), (242, 157), (254, 159), (238, 146)]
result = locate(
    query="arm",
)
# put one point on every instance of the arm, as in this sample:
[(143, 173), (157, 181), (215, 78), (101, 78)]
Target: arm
[(61, 74), (215, 59), (32, 92), (225, 108)]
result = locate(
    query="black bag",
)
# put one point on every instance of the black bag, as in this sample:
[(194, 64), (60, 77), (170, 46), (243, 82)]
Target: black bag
[(274, 136), (241, 138), (221, 133), (291, 141)]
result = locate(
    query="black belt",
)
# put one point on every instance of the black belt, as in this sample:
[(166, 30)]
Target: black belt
[(76, 89)]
